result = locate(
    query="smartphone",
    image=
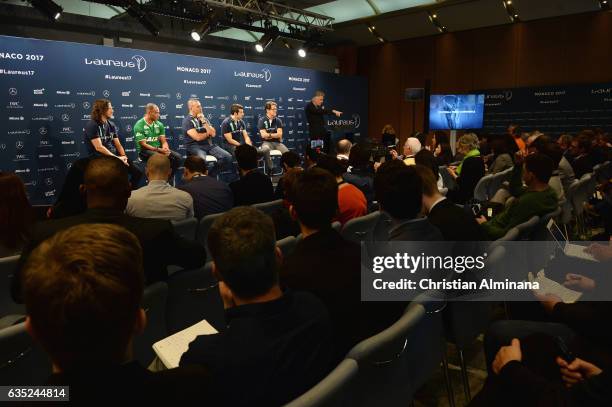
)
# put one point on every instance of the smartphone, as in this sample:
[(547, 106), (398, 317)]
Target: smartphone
[(564, 351)]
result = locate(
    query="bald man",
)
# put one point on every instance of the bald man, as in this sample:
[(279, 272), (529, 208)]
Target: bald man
[(343, 148), (159, 199), (150, 137), (107, 189)]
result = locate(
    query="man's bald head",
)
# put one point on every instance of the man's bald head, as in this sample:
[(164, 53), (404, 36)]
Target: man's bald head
[(344, 146), (158, 167), (106, 183)]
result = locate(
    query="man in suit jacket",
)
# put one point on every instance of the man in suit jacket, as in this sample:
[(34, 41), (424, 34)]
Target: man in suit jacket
[(327, 265), (107, 189), (453, 222), (83, 288), (315, 116), (209, 194), (253, 186), (399, 191)]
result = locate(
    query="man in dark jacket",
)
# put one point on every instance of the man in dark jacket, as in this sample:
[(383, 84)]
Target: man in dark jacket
[(107, 189), (315, 116)]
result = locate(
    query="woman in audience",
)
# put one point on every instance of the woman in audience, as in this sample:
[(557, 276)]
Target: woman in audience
[(388, 136), (443, 154), (469, 171), (16, 215), (70, 200), (501, 159), (427, 159)]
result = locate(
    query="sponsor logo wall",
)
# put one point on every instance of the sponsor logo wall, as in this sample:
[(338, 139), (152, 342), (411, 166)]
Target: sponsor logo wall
[(47, 89), (553, 110)]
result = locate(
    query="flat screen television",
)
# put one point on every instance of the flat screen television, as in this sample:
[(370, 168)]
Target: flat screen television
[(456, 112)]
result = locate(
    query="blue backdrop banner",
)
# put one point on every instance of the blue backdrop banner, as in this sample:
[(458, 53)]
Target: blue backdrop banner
[(48, 87)]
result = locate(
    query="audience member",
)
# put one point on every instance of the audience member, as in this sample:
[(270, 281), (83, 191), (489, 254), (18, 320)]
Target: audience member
[(581, 161), (565, 142), (107, 189), (469, 171), (427, 159), (602, 149), (16, 215), (343, 148), (71, 200), (83, 288), (288, 160), (411, 147), (362, 173), (311, 157), (352, 203), (453, 222), (327, 265), (536, 199), (209, 194), (554, 152), (444, 154), (515, 131), (277, 344), (399, 191), (388, 137), (284, 224), (253, 186), (159, 199), (501, 159)]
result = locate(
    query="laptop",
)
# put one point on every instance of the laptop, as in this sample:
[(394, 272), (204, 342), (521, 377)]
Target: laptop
[(570, 249)]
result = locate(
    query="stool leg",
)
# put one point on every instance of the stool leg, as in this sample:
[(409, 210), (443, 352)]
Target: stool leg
[(464, 376), (447, 382)]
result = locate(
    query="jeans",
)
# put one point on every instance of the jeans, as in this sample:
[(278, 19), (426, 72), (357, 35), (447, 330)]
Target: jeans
[(224, 159), (268, 146), (501, 334)]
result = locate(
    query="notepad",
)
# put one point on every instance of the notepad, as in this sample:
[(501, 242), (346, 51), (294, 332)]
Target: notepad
[(169, 350), (548, 286)]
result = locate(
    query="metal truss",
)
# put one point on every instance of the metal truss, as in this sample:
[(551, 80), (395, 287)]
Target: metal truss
[(269, 10)]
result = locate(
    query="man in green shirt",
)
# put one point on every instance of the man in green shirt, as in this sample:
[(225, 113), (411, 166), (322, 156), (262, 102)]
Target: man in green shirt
[(535, 199), (150, 137)]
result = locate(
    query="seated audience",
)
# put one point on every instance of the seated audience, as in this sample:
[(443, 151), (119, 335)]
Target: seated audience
[(209, 194), (444, 154), (469, 171), (361, 171), (326, 264), (352, 202), (501, 159), (158, 199), (544, 145), (581, 161), (515, 383), (288, 160), (284, 224), (71, 200), (399, 191), (16, 215), (343, 148), (427, 159), (453, 222), (277, 344), (565, 142), (411, 147), (311, 157), (602, 148), (253, 186), (107, 189), (538, 198), (83, 288)]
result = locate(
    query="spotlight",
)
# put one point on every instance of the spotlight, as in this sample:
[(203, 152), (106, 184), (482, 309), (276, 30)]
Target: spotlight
[(204, 27), (267, 39), (511, 10), (604, 4), (372, 30), (302, 52), (49, 8), (433, 17)]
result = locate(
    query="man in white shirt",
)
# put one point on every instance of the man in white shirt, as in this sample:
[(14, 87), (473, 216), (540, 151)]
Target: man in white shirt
[(343, 148), (159, 199)]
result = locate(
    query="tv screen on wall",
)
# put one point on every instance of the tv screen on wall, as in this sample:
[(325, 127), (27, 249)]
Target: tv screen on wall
[(456, 112)]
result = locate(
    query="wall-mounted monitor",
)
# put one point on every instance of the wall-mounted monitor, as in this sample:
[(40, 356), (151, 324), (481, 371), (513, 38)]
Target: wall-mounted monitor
[(456, 112)]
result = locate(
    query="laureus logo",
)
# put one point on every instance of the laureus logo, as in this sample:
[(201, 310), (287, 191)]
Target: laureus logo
[(267, 74)]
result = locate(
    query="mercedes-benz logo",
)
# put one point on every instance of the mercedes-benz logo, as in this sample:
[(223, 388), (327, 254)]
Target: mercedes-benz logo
[(222, 107), (106, 93), (19, 145), (42, 131), (128, 128), (162, 106), (65, 117), (48, 182), (86, 105), (13, 91), (178, 95), (235, 97)]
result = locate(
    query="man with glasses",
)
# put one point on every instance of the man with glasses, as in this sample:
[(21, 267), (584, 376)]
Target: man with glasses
[(271, 131)]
